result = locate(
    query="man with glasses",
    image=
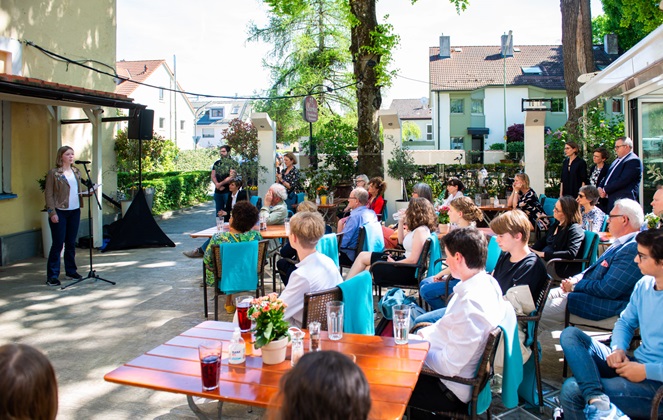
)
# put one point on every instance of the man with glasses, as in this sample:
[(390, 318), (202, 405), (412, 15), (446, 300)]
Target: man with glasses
[(359, 216), (624, 174), (602, 291), (657, 205), (361, 181)]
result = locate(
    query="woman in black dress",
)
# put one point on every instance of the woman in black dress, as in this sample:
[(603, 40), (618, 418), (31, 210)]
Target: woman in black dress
[(524, 198), (574, 171)]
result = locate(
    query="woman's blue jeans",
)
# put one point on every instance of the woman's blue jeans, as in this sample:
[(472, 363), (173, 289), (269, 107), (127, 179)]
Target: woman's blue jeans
[(219, 201), (434, 292), (593, 377), (63, 233)]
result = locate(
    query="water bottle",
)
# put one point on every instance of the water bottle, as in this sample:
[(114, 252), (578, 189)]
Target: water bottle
[(237, 349)]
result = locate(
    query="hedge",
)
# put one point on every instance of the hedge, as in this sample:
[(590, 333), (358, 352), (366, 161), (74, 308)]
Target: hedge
[(172, 190)]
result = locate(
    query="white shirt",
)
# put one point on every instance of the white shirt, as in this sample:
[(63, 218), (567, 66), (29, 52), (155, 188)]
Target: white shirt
[(74, 202), (408, 240), (451, 198), (316, 272), (457, 340)]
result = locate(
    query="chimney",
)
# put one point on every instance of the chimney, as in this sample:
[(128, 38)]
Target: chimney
[(506, 48), (445, 46), (610, 44)]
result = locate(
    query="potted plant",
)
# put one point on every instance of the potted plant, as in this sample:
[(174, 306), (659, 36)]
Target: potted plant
[(443, 218), (271, 329), (401, 166), (515, 149)]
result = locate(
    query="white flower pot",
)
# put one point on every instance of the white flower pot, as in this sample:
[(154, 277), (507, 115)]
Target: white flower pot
[(274, 352)]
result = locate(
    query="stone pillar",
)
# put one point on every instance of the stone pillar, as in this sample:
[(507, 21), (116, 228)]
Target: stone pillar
[(391, 127), (535, 163), (94, 116), (266, 150)]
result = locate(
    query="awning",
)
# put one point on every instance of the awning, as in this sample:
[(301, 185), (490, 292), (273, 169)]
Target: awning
[(478, 130), (638, 72)]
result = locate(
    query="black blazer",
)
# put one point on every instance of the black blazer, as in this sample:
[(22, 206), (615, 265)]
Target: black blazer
[(624, 181), (566, 244), (241, 195)]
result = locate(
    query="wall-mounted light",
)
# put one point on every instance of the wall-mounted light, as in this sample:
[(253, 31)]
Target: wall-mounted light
[(543, 104)]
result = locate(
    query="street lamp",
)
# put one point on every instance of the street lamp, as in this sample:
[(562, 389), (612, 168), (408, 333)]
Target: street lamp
[(310, 114)]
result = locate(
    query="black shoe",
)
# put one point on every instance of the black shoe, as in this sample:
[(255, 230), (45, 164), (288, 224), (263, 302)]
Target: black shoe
[(53, 282), (75, 276)]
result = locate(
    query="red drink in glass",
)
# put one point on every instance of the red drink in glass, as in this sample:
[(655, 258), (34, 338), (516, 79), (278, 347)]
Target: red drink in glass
[(209, 372), (243, 316)]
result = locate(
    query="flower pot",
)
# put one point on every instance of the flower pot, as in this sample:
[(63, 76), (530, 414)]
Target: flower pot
[(274, 352), (443, 228)]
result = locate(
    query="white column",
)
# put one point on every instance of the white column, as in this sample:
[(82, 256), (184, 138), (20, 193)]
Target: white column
[(266, 150), (535, 163), (96, 170), (391, 127)]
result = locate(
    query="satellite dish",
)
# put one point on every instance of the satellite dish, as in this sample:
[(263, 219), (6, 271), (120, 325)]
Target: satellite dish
[(584, 78), (424, 102)]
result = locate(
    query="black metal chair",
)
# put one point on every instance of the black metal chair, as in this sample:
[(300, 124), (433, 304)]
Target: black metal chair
[(655, 403), (315, 306), (361, 237), (590, 247)]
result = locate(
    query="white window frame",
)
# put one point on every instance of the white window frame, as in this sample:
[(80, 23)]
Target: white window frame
[(478, 101), (563, 102), (429, 132), (208, 133), (162, 123), (182, 125), (216, 113), (453, 143), (462, 106), (235, 110), (162, 94)]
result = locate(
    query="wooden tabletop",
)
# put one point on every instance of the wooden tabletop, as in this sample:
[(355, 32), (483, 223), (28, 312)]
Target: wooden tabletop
[(485, 230), (272, 232), (495, 208), (391, 370)]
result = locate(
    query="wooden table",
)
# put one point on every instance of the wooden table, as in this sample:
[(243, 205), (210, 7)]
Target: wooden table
[(486, 231), (490, 211), (272, 232), (391, 370)]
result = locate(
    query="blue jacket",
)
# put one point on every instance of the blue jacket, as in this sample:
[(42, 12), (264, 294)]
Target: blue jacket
[(358, 218), (624, 180), (606, 286)]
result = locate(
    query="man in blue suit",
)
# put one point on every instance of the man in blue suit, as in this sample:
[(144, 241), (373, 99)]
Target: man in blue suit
[(603, 290), (624, 175)]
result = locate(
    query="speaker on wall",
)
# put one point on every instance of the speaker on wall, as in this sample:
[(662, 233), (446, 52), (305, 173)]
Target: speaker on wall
[(141, 125)]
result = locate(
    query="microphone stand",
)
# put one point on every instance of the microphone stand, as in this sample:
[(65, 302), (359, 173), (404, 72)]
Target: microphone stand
[(92, 274)]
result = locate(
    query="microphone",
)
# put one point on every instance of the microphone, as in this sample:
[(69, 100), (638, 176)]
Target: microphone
[(81, 162)]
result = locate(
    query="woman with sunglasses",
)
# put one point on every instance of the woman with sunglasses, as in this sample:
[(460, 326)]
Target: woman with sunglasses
[(592, 216)]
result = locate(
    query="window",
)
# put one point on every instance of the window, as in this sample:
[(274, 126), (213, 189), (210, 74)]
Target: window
[(532, 70), (457, 106), (161, 94), (477, 106), (557, 105), (208, 133), (235, 110), (429, 131), (182, 124), (162, 122), (617, 105), (216, 113), (457, 143)]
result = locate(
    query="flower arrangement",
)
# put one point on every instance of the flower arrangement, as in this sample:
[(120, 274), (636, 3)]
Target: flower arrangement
[(252, 188), (652, 220), (321, 190), (267, 312), (443, 215)]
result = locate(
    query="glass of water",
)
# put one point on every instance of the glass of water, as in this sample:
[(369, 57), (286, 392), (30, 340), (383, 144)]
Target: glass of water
[(287, 226), (401, 321), (335, 320)]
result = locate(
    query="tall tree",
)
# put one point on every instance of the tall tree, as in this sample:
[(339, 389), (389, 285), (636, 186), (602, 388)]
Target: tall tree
[(577, 54), (631, 20)]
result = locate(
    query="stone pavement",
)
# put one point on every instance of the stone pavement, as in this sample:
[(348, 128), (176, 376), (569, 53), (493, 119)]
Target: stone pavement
[(94, 327)]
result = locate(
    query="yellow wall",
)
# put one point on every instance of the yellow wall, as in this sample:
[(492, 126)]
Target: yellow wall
[(78, 30)]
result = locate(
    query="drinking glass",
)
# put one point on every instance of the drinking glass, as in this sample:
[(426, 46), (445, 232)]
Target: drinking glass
[(219, 224), (401, 321), (209, 354), (297, 347), (335, 320), (243, 303), (477, 200), (286, 224)]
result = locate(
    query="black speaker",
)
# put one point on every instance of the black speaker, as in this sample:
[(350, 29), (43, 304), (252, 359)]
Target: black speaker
[(140, 127)]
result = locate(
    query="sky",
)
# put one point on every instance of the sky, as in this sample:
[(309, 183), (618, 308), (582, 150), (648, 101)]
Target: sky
[(209, 37)]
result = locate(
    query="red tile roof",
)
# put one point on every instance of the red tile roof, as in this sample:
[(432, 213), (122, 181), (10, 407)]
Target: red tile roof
[(137, 71), (411, 109), (39, 83)]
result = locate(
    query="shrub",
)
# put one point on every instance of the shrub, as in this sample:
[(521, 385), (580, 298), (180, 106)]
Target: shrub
[(497, 146), (196, 160), (177, 190)]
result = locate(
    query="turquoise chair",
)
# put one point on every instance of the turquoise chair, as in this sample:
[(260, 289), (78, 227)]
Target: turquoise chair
[(494, 253), (256, 201), (549, 205), (604, 226), (374, 240), (358, 300), (328, 245)]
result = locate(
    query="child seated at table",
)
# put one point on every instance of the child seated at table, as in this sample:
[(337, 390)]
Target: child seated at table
[(28, 388), (325, 384), (314, 272)]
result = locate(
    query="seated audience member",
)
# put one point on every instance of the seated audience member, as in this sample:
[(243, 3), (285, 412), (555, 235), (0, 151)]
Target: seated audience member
[(242, 219), (274, 207), (323, 385), (458, 338), (464, 213), (420, 219), (605, 380), (28, 388), (361, 181), (422, 190), (516, 266), (455, 189), (657, 205), (602, 290), (359, 216), (592, 216), (287, 252), (564, 238), (376, 188), (314, 272), (524, 198)]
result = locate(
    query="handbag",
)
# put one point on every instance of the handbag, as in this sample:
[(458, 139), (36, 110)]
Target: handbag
[(397, 296)]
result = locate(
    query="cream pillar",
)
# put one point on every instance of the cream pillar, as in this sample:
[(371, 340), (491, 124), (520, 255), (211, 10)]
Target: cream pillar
[(96, 171), (535, 163), (391, 127), (266, 150)]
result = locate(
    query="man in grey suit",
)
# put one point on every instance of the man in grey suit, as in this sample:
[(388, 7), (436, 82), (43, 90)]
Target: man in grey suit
[(624, 175)]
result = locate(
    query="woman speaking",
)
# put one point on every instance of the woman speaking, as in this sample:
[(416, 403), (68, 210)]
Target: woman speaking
[(63, 203)]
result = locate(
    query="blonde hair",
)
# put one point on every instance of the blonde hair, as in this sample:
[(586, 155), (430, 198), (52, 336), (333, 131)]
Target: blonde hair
[(307, 206), (466, 206), (524, 178), (308, 227), (58, 156)]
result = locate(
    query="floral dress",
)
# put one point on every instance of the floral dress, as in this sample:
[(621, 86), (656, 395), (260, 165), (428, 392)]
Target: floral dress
[(529, 203), (225, 237), (593, 218), (292, 178)]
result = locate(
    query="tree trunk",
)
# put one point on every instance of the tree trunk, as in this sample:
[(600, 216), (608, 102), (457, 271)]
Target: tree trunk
[(577, 54), (369, 98)]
